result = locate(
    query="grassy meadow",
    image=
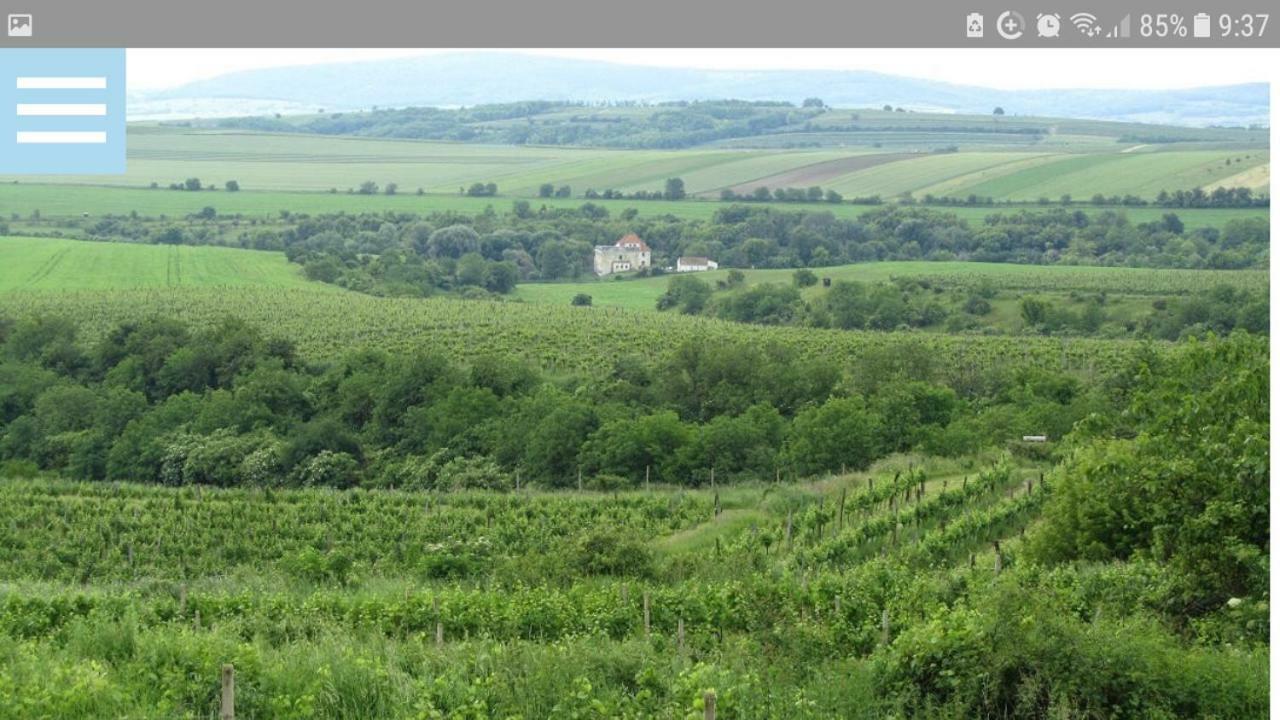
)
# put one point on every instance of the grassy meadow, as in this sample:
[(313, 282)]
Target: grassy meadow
[(51, 264)]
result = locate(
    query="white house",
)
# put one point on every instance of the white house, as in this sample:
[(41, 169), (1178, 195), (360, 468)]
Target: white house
[(629, 253), (695, 264)]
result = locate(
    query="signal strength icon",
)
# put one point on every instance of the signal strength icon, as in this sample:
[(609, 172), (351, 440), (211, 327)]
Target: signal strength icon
[(1087, 24), (1121, 29)]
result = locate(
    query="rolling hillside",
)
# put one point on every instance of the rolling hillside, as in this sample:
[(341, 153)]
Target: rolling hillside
[(339, 165), (457, 79)]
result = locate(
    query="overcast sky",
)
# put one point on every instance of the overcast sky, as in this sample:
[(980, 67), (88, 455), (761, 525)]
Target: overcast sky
[(996, 67)]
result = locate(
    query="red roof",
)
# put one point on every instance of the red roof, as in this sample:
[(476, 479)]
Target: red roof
[(631, 239)]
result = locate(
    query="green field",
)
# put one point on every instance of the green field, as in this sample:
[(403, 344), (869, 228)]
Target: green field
[(106, 282), (642, 293), (1143, 174), (52, 201), (365, 604), (379, 506), (283, 162), (54, 264)]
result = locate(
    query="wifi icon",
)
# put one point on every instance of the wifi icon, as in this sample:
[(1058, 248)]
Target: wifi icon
[(1087, 24)]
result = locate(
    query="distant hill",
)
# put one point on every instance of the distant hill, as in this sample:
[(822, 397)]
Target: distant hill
[(465, 79), (743, 124)]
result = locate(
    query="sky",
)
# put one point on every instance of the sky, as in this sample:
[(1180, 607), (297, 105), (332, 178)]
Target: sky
[(1003, 68)]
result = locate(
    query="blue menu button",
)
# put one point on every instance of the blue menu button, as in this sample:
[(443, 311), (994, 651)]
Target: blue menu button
[(62, 111)]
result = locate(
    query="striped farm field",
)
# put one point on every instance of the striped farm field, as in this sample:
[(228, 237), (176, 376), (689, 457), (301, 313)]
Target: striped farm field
[(1039, 166), (914, 174), (260, 161), (1138, 173)]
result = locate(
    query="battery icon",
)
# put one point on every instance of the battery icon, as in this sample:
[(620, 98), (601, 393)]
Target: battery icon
[(1200, 25)]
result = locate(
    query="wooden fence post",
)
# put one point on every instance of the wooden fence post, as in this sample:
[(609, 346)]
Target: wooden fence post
[(680, 634), (842, 496), (579, 479), (709, 705), (646, 616), (788, 529), (998, 562), (228, 693), (646, 478), (884, 626)]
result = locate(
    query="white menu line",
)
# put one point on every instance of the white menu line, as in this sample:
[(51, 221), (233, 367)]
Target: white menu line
[(28, 109), (62, 83), (32, 137)]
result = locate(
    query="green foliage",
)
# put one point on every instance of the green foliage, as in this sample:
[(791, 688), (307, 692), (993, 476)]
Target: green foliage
[(687, 293), (1189, 489), (840, 433), (610, 552)]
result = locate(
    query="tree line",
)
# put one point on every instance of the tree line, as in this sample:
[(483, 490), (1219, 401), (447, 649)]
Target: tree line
[(159, 401), (923, 303), (402, 253)]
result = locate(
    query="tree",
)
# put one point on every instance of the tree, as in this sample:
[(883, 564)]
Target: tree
[(998, 111), (839, 433), (471, 269), (813, 102), (1034, 310), (501, 277), (233, 186), (555, 260), (453, 241), (368, 187), (804, 277), (687, 293), (391, 188), (564, 191), (192, 184), (1183, 483), (887, 108), (581, 300), (546, 190), (674, 189)]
